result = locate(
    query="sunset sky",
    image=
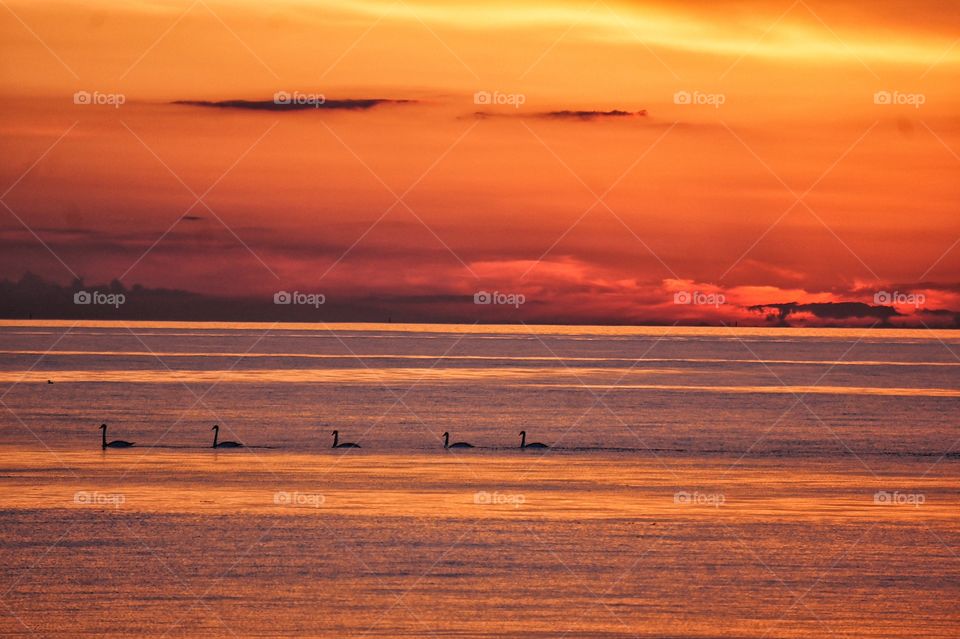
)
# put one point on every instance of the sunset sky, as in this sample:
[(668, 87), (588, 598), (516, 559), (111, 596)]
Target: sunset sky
[(733, 154)]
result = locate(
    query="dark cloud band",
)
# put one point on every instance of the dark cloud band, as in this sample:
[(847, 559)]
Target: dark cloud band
[(271, 105)]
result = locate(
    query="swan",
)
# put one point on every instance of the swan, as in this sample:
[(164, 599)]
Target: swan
[(117, 443), (216, 434), (447, 444), (337, 444), (524, 444)]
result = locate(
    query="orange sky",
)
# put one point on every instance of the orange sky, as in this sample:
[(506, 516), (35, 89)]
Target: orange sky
[(787, 178)]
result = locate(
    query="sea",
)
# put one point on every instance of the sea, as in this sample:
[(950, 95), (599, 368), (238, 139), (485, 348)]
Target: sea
[(696, 482)]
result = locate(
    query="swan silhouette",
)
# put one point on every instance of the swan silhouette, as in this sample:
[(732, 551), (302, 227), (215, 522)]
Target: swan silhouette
[(337, 444), (524, 444), (216, 434), (447, 444), (117, 443)]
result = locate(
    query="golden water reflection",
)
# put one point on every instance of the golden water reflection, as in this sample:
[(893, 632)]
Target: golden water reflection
[(471, 485)]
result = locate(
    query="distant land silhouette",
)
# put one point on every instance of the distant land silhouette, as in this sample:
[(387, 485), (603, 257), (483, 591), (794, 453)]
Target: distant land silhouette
[(33, 297)]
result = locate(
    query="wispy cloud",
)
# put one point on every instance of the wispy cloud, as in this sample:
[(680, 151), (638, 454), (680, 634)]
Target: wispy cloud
[(701, 27), (576, 115), (349, 104), (591, 115)]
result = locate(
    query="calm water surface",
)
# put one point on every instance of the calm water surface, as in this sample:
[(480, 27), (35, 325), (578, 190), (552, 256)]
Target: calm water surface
[(700, 482)]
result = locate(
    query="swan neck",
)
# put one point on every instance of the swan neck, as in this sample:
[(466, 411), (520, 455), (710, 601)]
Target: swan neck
[(216, 432), (103, 434)]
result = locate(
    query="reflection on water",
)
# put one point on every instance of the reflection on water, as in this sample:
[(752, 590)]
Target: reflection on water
[(812, 492), (181, 543), (455, 358), (582, 379)]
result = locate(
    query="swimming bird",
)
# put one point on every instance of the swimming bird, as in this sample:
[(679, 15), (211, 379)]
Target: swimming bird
[(216, 434), (337, 444), (524, 444), (117, 443), (447, 444)]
